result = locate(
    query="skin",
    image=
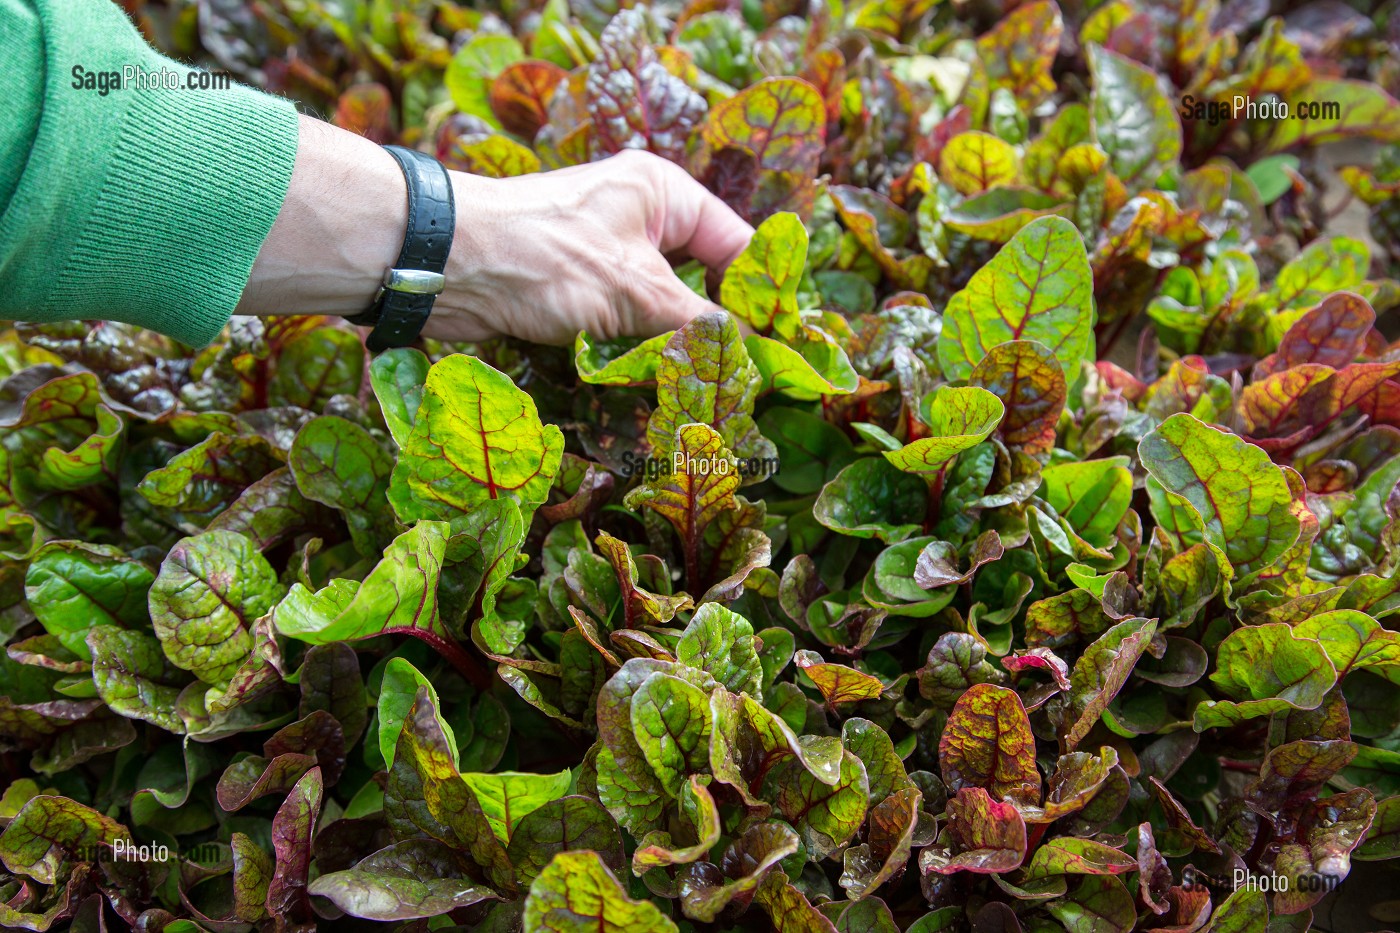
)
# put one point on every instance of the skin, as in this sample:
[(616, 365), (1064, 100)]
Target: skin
[(538, 257)]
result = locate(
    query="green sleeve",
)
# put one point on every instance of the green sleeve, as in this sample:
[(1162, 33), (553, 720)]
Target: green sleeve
[(144, 206)]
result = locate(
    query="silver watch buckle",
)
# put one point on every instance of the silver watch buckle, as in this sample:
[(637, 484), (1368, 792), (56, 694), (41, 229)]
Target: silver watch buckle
[(412, 282)]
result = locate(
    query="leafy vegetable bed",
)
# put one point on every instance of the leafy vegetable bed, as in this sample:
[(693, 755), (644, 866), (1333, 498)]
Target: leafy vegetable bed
[(900, 613)]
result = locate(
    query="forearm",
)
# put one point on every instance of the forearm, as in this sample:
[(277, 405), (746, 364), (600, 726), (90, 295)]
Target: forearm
[(341, 225), (138, 205)]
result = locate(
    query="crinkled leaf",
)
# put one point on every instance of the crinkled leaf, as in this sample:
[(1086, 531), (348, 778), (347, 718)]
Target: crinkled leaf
[(1242, 498), (1266, 669), (1037, 287), (576, 893), (134, 677), (987, 743), (1134, 120), (721, 643), (338, 463), (476, 437), (706, 377), (1100, 673), (210, 590), (404, 881)]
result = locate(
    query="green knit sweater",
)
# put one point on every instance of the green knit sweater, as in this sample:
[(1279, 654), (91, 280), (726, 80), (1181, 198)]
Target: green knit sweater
[(144, 206)]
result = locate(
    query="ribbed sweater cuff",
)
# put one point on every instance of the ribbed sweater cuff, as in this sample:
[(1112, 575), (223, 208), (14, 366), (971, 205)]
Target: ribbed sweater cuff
[(195, 181)]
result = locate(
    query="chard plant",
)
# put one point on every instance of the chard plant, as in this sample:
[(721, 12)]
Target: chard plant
[(895, 596)]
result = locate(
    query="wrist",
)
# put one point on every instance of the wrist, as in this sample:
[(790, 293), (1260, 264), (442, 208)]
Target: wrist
[(341, 226)]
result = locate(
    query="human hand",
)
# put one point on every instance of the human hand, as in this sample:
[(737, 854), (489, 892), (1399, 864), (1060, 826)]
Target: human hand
[(543, 256), (539, 257)]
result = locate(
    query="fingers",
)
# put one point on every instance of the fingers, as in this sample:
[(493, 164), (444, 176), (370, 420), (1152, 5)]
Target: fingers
[(662, 302), (697, 222)]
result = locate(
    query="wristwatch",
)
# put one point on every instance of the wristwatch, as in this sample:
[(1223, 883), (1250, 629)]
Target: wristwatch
[(403, 303)]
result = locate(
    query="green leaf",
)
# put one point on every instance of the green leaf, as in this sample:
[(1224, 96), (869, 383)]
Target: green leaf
[(883, 768), (872, 498), (210, 590), (1363, 110), (1266, 669), (956, 662), (272, 510), (252, 872), (975, 162), (1325, 266), (1354, 641), (71, 587), (811, 450), (721, 643), (826, 815), (337, 463), (1070, 855), (1100, 673), (425, 795), (398, 691), (760, 285), (1037, 287), (699, 811), (476, 438), (397, 376), (1100, 903), (621, 362), (92, 460), (1238, 493), (758, 849), (805, 366), (564, 825), (316, 366), (958, 420), (405, 881), (475, 67), (507, 797), (210, 474), (48, 830), (398, 595), (576, 893), (706, 377), (893, 821), (134, 678), (1134, 120), (1092, 495), (671, 722), (781, 123), (987, 743)]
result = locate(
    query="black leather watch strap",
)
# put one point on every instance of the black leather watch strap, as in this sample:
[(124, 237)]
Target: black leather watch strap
[(402, 307)]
